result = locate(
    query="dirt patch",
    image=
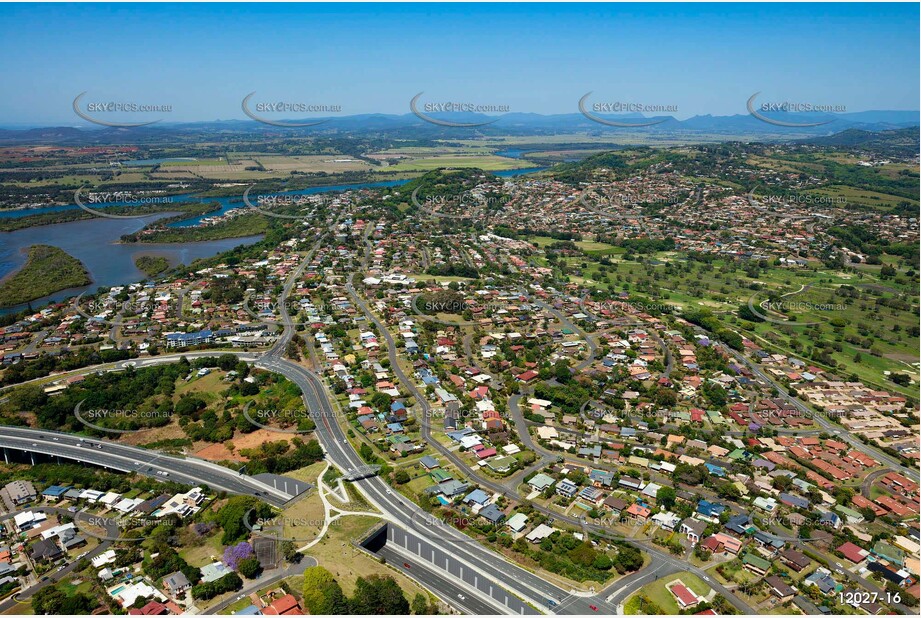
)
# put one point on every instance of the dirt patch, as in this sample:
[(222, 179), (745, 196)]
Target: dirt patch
[(241, 441), (902, 357), (147, 436)]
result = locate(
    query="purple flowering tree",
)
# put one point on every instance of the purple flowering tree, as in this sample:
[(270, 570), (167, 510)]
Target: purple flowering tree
[(234, 554)]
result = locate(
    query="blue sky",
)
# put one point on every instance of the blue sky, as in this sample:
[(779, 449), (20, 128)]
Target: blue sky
[(704, 58)]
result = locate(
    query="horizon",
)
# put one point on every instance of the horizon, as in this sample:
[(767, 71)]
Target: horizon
[(373, 59)]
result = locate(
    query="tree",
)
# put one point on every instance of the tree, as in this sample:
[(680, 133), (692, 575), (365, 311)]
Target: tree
[(401, 477), (320, 591), (628, 559), (236, 554), (665, 497), (290, 553), (420, 604), (250, 567), (377, 594)]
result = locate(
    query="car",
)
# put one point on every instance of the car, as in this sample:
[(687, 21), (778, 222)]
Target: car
[(389, 492), (706, 579), (551, 603), (406, 565), (460, 596), (34, 444), (99, 446), (55, 439), (594, 608)]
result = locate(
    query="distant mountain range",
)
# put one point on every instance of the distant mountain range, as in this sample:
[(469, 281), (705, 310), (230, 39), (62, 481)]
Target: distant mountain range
[(408, 126)]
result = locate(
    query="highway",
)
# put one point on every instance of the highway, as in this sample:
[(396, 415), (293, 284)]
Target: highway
[(115, 456)]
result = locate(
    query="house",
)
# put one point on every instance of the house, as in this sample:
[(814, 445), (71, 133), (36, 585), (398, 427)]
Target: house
[(429, 462), (630, 482), (739, 524), (16, 493), (176, 583), (541, 481), (153, 608), (822, 579), (616, 505), (182, 340), (710, 511), (853, 552), (779, 588), (214, 571), (566, 488), (758, 566), (46, 549), (795, 502), (477, 496), (492, 514), (693, 529), (683, 595), (538, 534), (666, 520), (638, 511), (794, 559), (55, 492), (517, 522), (285, 606)]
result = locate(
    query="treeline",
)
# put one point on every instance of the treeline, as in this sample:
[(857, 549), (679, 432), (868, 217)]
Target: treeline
[(67, 360), (647, 245), (706, 320), (455, 269), (374, 595)]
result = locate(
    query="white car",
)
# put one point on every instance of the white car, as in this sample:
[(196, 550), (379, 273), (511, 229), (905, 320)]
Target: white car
[(461, 597)]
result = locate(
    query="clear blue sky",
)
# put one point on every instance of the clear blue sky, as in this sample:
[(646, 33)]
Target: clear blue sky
[(704, 58)]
